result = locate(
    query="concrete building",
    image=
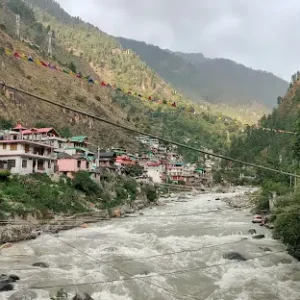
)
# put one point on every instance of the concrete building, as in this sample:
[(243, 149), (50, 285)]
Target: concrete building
[(26, 157)]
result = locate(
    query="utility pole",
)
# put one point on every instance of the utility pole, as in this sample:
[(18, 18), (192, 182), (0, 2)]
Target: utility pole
[(98, 150), (18, 25), (4, 11), (50, 43)]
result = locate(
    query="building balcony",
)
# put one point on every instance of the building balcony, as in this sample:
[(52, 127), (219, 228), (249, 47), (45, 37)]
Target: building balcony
[(29, 153)]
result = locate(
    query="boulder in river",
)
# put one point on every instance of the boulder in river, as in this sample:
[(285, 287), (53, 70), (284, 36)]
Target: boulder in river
[(234, 256), (6, 282), (252, 231), (217, 199), (4, 287), (266, 249), (40, 265), (62, 295), (111, 249), (258, 236), (82, 296), (23, 295)]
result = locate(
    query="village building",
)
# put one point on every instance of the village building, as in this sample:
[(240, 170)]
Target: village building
[(24, 156), (47, 136), (154, 170), (68, 165), (78, 146)]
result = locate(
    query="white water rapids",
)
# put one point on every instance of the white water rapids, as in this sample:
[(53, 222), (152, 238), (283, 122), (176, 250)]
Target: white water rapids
[(137, 246)]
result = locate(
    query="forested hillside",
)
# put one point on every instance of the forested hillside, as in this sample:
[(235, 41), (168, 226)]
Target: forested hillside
[(279, 149), (213, 80), (190, 125)]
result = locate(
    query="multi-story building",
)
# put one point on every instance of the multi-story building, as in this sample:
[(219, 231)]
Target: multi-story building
[(42, 135), (24, 156)]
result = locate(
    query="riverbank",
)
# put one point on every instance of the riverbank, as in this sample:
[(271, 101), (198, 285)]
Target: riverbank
[(165, 243), (31, 226)]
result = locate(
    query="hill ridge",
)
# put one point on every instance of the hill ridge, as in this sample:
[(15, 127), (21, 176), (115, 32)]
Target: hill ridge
[(218, 80)]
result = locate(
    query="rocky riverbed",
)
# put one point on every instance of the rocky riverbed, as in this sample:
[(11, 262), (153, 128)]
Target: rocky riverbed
[(194, 245)]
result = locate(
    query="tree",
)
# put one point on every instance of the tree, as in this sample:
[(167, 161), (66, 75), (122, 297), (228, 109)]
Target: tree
[(72, 67), (297, 143), (279, 100), (6, 124)]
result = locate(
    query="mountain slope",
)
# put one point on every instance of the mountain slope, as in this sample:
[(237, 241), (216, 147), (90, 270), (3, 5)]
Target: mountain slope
[(103, 52), (214, 80), (201, 129)]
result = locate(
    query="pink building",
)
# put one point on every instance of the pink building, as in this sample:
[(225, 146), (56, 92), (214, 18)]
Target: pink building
[(67, 164)]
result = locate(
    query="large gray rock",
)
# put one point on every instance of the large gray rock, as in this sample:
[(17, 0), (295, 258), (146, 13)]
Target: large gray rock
[(252, 231), (4, 287), (258, 236), (234, 256), (82, 296), (16, 233), (23, 295), (40, 265)]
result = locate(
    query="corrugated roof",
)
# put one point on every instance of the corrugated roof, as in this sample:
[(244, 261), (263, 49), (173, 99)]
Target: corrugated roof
[(107, 154), (63, 155), (38, 130), (79, 138), (81, 149)]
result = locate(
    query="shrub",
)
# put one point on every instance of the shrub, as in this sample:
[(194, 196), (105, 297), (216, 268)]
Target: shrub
[(131, 186), (151, 192), (83, 182), (4, 174), (133, 171), (80, 98)]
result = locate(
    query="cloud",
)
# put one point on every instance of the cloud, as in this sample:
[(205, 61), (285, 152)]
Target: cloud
[(260, 34)]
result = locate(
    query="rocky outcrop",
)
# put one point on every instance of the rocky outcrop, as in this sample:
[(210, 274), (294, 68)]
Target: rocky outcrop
[(234, 256), (16, 233), (252, 231)]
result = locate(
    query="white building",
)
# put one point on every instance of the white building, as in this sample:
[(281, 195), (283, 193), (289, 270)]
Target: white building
[(25, 157), (42, 135), (154, 170)]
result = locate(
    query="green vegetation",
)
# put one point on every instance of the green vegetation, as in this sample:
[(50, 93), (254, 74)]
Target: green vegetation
[(6, 124), (37, 193), (151, 192), (28, 194), (287, 222), (280, 151)]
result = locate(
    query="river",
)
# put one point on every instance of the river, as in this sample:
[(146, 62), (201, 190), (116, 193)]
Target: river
[(100, 258)]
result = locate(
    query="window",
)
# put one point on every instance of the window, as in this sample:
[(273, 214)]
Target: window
[(13, 147), (24, 163), (78, 164), (49, 164), (4, 146), (26, 148), (87, 165), (40, 165), (11, 163)]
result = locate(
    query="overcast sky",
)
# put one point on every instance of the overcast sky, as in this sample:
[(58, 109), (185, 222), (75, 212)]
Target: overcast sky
[(262, 34)]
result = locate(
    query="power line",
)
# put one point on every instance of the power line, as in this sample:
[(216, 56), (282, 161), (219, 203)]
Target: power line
[(151, 135)]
